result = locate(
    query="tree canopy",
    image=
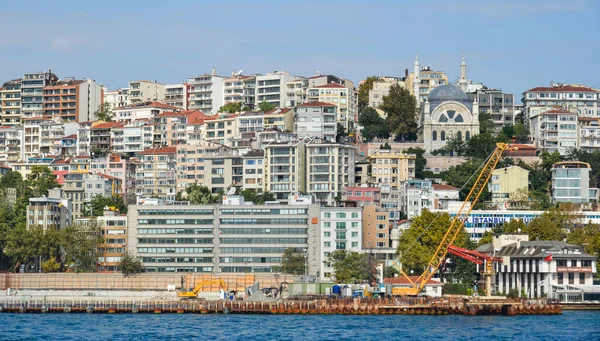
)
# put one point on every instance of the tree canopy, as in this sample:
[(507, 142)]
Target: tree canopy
[(131, 264), (293, 262), (373, 125), (99, 202), (104, 112), (401, 109), (352, 267), (40, 180), (257, 198), (231, 107), (266, 106), (199, 194), (363, 92)]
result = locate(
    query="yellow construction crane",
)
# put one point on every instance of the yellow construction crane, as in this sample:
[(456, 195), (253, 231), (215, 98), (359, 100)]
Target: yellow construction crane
[(455, 227), (194, 293)]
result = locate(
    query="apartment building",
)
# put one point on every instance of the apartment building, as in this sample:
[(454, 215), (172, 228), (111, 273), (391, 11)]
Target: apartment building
[(141, 111), (50, 212), (499, 105), (589, 133), (171, 127), (315, 119), (506, 182), (239, 88), (342, 97), (362, 171), (444, 195), (582, 100), (223, 171), (281, 119), (12, 146), (133, 137), (415, 196), (329, 170), (341, 229), (272, 135), (375, 227), (32, 92), (176, 95), (73, 100), (285, 168), (222, 238), (253, 168), (250, 122), (220, 128), (116, 98), (555, 130), (296, 92), (271, 88), (571, 183), (10, 103), (190, 162), (100, 137), (118, 167), (206, 93), (68, 145), (80, 188), (389, 168), (83, 138), (113, 227), (381, 88), (422, 80), (143, 91), (155, 176), (362, 195)]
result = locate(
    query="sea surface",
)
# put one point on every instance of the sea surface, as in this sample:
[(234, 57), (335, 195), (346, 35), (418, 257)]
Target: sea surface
[(572, 326)]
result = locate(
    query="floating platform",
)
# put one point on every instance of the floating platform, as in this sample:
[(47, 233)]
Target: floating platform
[(345, 306)]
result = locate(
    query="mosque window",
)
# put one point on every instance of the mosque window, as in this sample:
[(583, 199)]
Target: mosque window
[(443, 136), (434, 135), (451, 113), (443, 118), (459, 135), (458, 118), (467, 135)]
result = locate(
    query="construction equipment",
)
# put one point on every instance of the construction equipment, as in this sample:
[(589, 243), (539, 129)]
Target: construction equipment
[(194, 292), (455, 227), (479, 259)]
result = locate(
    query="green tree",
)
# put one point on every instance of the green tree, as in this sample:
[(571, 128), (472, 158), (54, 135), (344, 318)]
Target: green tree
[(512, 226), (266, 106), (373, 125), (352, 267), (31, 246), (341, 131), (40, 180), (293, 262), (231, 107), (420, 161), (521, 133), (131, 264), (401, 109), (198, 194), (99, 202), (554, 223), (80, 244), (51, 265), (419, 242), (486, 125), (390, 272), (104, 112), (481, 145), (593, 158), (363, 92)]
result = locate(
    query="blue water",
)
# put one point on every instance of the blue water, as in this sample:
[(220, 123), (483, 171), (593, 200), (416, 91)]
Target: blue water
[(571, 326)]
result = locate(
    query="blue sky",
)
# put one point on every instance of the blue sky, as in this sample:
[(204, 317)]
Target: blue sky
[(513, 45)]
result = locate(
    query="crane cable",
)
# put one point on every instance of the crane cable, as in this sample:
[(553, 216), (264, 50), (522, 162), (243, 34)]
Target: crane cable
[(440, 212)]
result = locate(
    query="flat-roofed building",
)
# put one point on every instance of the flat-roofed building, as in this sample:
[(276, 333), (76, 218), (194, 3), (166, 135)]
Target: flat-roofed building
[(341, 229)]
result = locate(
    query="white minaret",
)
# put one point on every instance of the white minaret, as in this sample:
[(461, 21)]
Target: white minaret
[(416, 79), (463, 75)]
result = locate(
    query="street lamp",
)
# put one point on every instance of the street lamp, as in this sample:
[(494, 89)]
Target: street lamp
[(305, 262)]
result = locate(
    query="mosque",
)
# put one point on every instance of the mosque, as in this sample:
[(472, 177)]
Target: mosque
[(447, 112)]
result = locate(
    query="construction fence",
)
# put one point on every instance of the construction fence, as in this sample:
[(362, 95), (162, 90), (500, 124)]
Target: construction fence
[(146, 281)]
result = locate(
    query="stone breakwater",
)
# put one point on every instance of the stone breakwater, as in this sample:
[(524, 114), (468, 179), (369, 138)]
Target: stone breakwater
[(347, 306)]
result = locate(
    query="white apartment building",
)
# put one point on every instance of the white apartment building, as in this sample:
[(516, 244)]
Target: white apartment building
[(12, 144), (132, 137), (315, 119), (571, 183), (143, 91), (271, 88), (116, 98), (341, 229), (381, 88), (296, 92), (240, 88), (342, 97), (250, 122), (52, 212), (589, 133), (206, 93), (84, 138), (176, 95), (416, 195), (329, 170), (141, 111), (32, 92), (554, 130), (156, 173), (10, 103), (285, 172)]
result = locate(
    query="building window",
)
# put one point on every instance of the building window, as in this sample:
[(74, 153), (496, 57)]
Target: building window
[(581, 278), (434, 135), (459, 135), (560, 278), (355, 224), (467, 135), (459, 119), (327, 244), (327, 224), (340, 215), (571, 278), (326, 234), (340, 225), (327, 215), (443, 118), (354, 234), (354, 215), (340, 246), (354, 244), (443, 136)]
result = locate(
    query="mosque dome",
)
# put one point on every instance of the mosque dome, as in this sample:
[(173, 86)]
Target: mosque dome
[(448, 93)]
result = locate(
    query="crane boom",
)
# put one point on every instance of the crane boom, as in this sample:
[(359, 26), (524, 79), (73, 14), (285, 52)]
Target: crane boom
[(457, 224)]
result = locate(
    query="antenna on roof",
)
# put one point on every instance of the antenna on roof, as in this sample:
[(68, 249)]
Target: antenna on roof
[(231, 191)]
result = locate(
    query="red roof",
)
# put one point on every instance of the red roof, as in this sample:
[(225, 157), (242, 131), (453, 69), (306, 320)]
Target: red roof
[(108, 125), (405, 281), (331, 85), (316, 104), (277, 111), (563, 88), (558, 111), (5, 167), (72, 136), (82, 157), (62, 162), (590, 119), (106, 176), (524, 146), (159, 151), (439, 187)]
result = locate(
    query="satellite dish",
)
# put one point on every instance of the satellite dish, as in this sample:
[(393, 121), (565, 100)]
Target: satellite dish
[(239, 72), (231, 191)]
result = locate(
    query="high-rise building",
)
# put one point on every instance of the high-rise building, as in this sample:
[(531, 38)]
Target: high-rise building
[(176, 95), (143, 91), (73, 100), (285, 168), (32, 92), (341, 229), (342, 97), (571, 183), (155, 175), (271, 88), (555, 130), (206, 93), (10, 105), (240, 88), (389, 168), (315, 119)]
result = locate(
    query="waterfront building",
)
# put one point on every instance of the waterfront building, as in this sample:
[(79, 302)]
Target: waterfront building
[(51, 212), (505, 183), (176, 95), (72, 100), (236, 238), (144, 91), (315, 119), (10, 103), (389, 168), (375, 227), (539, 269), (571, 183), (155, 176), (32, 92), (206, 93), (554, 130), (340, 230)]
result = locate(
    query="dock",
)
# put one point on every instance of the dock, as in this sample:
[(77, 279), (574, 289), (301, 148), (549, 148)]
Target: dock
[(344, 306)]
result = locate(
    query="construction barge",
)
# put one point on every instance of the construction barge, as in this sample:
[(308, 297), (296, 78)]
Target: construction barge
[(347, 306)]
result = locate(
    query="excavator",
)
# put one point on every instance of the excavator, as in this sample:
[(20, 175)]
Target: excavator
[(453, 231), (192, 294)]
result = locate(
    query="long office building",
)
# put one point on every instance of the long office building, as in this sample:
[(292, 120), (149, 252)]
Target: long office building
[(236, 237)]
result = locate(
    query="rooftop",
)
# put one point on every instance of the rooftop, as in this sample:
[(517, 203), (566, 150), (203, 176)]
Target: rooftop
[(159, 151), (332, 85), (316, 104), (538, 249), (439, 187), (563, 88)]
